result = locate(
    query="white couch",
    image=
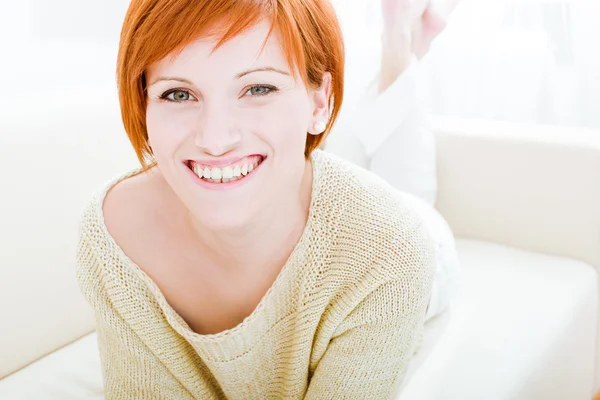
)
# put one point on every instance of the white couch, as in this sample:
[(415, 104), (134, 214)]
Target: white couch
[(523, 201)]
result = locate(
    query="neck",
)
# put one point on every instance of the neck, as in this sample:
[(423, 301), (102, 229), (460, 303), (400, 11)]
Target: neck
[(268, 239)]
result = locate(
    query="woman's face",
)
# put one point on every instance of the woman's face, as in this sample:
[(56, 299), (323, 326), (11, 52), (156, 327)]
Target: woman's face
[(228, 129)]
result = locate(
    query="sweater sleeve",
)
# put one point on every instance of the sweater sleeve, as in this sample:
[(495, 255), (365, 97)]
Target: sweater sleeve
[(369, 353), (130, 370)]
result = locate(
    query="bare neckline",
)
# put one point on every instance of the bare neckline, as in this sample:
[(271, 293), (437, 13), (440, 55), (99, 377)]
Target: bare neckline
[(172, 316)]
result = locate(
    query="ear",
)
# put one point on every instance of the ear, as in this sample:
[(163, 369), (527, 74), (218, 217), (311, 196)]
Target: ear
[(320, 105)]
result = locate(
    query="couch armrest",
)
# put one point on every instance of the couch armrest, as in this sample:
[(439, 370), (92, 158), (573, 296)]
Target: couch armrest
[(532, 187), (528, 186)]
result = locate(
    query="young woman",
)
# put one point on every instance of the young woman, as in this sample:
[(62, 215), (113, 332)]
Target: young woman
[(239, 262)]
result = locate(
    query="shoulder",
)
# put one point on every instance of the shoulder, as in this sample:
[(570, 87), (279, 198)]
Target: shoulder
[(127, 205), (106, 219), (361, 200), (110, 202), (374, 225)]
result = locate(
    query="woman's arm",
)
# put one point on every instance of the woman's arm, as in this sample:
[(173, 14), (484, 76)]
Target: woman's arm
[(130, 369), (371, 349)]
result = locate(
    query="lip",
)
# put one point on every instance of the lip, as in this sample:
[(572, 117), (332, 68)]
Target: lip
[(223, 162), (228, 185)]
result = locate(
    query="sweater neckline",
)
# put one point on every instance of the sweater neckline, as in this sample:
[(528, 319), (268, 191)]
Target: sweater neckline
[(174, 319)]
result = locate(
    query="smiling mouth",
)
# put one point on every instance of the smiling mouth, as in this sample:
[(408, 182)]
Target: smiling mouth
[(229, 173)]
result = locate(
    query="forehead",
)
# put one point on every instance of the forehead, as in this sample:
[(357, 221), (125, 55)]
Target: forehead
[(252, 48)]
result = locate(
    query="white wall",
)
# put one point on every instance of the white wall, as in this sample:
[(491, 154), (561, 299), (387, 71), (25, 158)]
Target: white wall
[(98, 21), (50, 45), (527, 60)]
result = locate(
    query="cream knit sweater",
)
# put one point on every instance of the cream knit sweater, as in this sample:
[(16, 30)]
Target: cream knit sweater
[(341, 321)]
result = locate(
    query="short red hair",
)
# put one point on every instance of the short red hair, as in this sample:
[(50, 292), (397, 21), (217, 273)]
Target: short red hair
[(309, 30)]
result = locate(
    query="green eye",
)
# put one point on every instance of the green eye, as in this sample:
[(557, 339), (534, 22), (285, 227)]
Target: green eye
[(179, 95), (260, 90)]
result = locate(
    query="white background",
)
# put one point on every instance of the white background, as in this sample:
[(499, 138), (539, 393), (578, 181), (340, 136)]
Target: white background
[(525, 60)]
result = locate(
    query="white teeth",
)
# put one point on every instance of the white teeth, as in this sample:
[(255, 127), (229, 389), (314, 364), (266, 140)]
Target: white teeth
[(215, 173), (198, 170), (227, 173)]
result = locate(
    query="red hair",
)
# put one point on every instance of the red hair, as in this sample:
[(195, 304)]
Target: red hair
[(153, 29)]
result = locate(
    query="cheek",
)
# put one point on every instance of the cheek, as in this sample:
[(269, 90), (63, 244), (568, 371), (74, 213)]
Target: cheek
[(284, 124), (167, 127)]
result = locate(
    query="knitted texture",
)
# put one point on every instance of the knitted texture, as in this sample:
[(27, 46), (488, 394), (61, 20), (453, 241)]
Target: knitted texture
[(341, 321)]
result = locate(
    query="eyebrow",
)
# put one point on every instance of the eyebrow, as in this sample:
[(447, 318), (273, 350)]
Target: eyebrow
[(168, 78), (268, 69), (238, 76)]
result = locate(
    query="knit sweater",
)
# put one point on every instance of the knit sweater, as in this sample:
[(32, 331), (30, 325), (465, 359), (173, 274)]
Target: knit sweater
[(341, 320)]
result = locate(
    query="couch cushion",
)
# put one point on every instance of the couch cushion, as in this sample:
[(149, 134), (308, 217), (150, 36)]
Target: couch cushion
[(71, 373), (522, 326), (54, 159)]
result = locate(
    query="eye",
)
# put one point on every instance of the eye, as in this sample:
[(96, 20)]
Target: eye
[(177, 95), (261, 90)]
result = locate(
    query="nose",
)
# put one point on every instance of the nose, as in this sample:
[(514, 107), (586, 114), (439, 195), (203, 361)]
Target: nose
[(217, 133)]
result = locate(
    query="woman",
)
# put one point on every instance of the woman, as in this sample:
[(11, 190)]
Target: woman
[(239, 262)]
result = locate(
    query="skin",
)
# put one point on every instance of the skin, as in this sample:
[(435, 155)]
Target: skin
[(215, 253), (409, 28)]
